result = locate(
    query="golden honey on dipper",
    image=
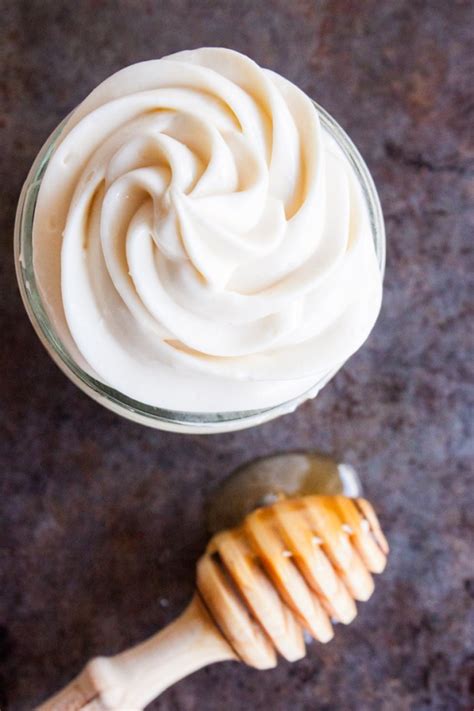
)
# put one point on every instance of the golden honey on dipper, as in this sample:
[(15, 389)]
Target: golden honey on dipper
[(292, 566)]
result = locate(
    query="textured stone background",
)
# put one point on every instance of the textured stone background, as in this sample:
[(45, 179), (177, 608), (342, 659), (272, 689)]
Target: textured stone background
[(103, 519)]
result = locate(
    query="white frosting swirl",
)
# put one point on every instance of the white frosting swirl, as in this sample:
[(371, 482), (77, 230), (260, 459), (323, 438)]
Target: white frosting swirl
[(202, 240)]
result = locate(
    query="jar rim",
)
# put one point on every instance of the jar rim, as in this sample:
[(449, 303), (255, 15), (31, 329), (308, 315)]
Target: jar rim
[(160, 418)]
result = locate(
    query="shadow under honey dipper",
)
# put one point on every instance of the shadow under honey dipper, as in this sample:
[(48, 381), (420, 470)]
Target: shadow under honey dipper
[(294, 547)]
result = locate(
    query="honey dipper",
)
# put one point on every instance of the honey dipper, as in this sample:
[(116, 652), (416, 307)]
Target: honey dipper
[(297, 564)]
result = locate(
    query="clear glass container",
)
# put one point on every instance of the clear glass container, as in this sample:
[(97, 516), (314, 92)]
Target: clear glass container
[(186, 422)]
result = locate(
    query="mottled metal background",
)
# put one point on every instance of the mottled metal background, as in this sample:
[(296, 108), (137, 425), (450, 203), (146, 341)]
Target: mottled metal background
[(103, 519)]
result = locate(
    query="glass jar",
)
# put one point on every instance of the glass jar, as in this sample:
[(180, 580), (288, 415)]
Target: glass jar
[(186, 422)]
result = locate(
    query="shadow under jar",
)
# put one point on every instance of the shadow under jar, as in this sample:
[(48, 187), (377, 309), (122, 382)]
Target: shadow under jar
[(113, 399)]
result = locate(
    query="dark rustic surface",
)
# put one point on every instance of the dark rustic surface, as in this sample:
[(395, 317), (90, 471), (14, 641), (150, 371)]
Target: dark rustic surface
[(103, 518)]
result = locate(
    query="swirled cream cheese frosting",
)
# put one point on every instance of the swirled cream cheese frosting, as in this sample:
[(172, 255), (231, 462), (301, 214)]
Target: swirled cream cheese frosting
[(200, 242)]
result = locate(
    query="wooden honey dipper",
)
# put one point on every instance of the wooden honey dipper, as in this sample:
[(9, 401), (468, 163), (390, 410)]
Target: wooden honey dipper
[(295, 565)]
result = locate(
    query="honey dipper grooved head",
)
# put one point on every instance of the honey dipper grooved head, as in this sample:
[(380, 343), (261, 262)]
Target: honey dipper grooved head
[(296, 565)]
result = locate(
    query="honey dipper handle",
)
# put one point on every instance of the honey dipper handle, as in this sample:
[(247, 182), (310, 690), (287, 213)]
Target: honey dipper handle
[(131, 680)]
